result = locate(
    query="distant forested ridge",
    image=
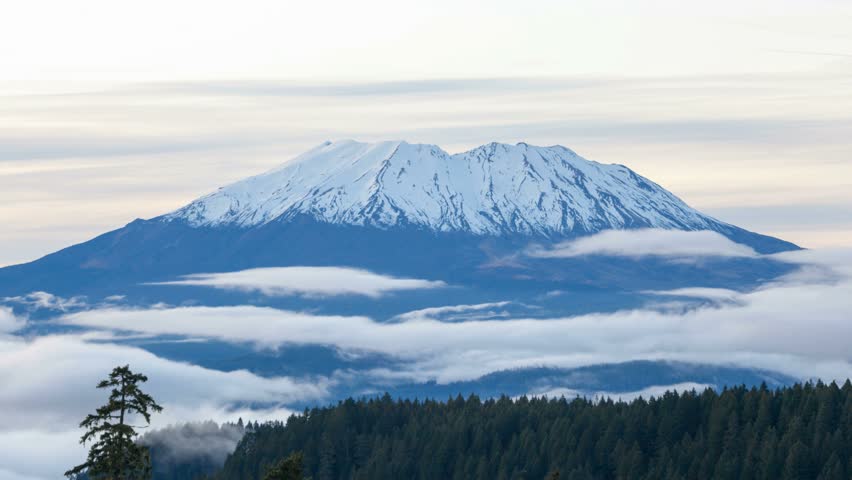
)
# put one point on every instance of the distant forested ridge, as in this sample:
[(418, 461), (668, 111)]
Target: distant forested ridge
[(800, 432)]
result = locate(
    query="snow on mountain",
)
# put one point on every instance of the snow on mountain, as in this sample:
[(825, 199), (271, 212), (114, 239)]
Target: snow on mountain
[(492, 189)]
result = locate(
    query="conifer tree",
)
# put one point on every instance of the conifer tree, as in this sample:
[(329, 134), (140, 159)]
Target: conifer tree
[(288, 469), (799, 432), (114, 455)]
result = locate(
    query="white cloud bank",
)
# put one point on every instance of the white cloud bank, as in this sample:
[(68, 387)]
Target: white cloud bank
[(48, 387), (306, 281), (648, 242), (795, 328), (9, 322)]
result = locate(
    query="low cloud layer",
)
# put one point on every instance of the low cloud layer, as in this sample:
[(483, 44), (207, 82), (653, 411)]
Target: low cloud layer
[(653, 391), (206, 442), (24, 453), (648, 242), (49, 381), (9, 322), (795, 327), (798, 325), (307, 281), (49, 386)]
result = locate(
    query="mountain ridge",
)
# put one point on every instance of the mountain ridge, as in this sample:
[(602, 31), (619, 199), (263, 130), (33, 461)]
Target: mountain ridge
[(492, 189)]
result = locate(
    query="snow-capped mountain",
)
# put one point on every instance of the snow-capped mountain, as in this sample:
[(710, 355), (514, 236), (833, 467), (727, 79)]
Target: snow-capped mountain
[(493, 189), (408, 210), (461, 231), (467, 225)]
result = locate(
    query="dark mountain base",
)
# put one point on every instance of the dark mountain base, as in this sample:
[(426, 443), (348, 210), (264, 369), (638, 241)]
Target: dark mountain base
[(120, 262)]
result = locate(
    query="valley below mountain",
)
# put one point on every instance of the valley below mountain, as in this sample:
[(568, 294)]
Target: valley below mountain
[(390, 239)]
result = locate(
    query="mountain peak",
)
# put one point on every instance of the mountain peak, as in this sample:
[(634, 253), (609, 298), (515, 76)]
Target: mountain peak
[(495, 188)]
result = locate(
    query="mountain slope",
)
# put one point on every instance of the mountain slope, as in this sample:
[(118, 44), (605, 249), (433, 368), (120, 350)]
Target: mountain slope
[(408, 210), (491, 190), (469, 220)]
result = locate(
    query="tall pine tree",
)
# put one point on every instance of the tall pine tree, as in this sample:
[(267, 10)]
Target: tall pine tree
[(114, 455)]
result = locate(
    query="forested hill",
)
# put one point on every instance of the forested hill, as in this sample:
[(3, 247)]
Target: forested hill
[(801, 432)]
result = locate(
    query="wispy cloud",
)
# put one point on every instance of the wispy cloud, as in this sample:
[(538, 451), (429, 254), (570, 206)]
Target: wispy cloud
[(110, 169), (306, 281), (194, 441), (813, 52), (719, 296), (648, 242), (455, 312), (45, 300), (28, 147), (653, 391)]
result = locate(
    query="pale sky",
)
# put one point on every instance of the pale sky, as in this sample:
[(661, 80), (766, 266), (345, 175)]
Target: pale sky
[(113, 110)]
